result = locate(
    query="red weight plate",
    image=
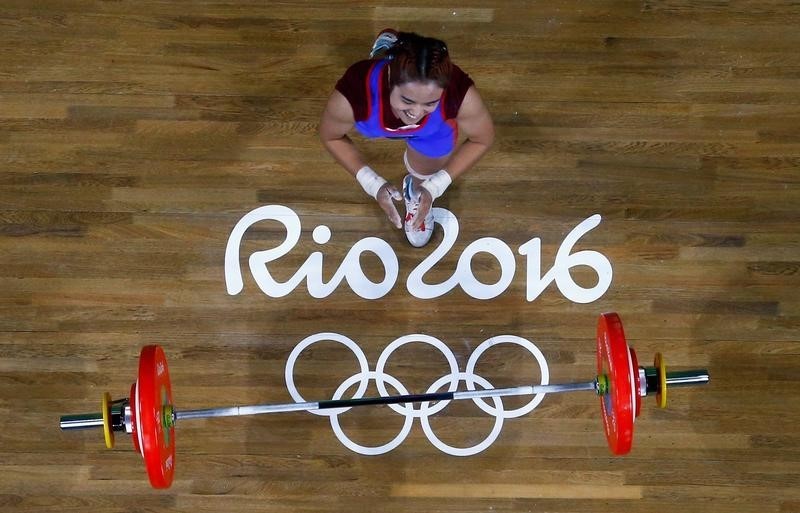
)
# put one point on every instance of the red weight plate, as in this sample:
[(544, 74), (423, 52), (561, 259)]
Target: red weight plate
[(637, 383), (614, 361), (156, 434)]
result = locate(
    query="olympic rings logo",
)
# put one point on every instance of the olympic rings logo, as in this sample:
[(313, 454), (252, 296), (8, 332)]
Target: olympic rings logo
[(424, 410)]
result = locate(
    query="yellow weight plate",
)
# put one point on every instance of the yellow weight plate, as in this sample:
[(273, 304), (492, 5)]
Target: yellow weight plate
[(661, 368), (108, 432)]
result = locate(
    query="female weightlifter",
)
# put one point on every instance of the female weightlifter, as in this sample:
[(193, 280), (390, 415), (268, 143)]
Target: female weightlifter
[(408, 89)]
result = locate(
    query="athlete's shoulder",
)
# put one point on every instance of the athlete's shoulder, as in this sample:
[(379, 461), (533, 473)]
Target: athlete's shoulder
[(457, 88), (459, 75), (357, 72), (353, 85)]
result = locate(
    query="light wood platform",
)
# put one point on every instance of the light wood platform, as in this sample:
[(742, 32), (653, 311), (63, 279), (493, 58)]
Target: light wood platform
[(134, 135)]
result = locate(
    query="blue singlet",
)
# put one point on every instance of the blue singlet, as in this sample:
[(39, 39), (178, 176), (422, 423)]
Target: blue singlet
[(434, 137)]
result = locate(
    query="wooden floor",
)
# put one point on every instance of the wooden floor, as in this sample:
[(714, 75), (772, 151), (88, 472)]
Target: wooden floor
[(135, 135)]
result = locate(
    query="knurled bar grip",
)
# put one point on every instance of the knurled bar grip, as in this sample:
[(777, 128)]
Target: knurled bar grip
[(395, 399)]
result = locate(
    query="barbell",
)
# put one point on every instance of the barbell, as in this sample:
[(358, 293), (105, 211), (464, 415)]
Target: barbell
[(149, 415)]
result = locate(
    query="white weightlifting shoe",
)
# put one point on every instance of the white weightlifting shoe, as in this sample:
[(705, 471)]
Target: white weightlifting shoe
[(420, 236)]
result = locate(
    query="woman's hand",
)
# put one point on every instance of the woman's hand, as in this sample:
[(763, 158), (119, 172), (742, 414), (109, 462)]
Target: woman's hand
[(386, 197)]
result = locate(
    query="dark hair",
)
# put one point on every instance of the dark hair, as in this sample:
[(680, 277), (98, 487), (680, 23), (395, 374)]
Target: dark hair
[(419, 59)]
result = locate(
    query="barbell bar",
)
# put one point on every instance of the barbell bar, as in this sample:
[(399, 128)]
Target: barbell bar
[(148, 414)]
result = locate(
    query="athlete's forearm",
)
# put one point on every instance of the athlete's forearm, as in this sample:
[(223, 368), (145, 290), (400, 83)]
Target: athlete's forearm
[(466, 156), (345, 153)]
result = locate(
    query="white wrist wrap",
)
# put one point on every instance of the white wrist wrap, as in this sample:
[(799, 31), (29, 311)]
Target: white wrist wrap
[(437, 183), (370, 181)]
